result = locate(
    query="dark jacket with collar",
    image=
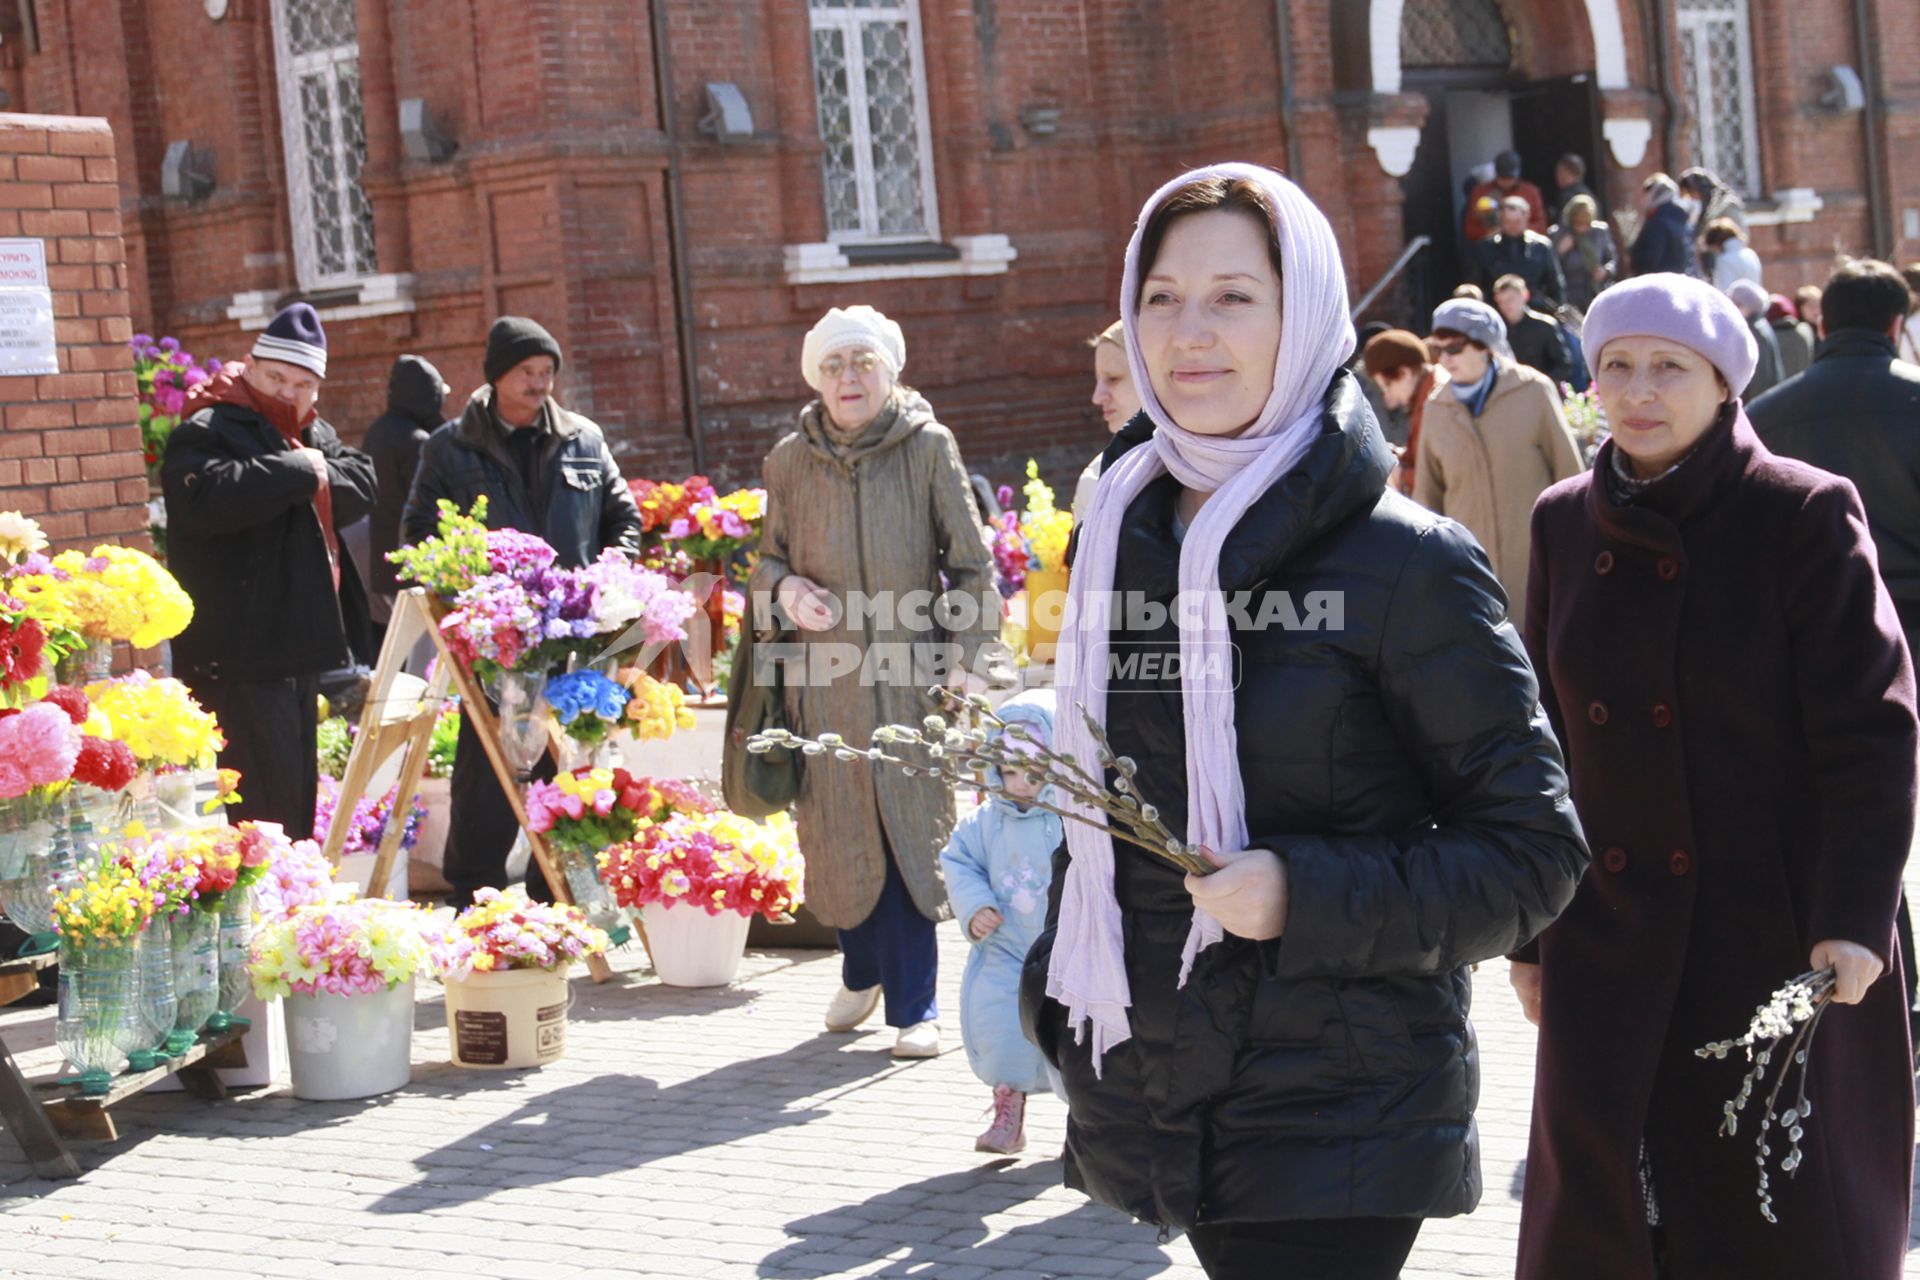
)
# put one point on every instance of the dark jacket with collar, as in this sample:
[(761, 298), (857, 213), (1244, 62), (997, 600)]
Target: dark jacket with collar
[(1665, 243), (1727, 673), (588, 506), (1856, 412), (414, 395), (1398, 762), (1537, 343), (1528, 255), (243, 539)]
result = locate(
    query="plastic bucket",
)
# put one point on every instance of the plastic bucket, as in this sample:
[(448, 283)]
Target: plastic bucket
[(1046, 605), (350, 1046), (691, 948), (512, 1018)]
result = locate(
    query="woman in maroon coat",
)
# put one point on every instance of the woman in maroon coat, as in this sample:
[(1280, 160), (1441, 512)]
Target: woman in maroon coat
[(1728, 677)]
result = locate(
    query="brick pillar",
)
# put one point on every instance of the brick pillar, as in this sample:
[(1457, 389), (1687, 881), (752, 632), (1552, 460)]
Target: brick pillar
[(70, 442)]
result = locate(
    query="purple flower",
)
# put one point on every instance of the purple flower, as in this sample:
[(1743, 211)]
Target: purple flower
[(169, 344), (142, 340)]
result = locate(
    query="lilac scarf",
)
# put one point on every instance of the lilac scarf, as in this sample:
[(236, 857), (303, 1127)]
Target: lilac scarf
[(1088, 970)]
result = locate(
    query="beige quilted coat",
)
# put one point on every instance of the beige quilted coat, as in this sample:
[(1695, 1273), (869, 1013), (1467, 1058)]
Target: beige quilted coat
[(892, 512), (1486, 472)]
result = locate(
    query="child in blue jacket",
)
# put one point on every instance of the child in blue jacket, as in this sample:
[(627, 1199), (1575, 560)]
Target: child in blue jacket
[(999, 865)]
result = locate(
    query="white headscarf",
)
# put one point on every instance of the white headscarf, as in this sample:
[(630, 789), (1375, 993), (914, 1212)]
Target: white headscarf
[(1088, 969)]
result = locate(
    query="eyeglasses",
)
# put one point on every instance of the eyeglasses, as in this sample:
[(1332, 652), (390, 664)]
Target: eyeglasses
[(1451, 348), (862, 363)]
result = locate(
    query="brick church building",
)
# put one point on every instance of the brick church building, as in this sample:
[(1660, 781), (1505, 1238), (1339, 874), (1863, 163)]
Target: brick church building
[(678, 188)]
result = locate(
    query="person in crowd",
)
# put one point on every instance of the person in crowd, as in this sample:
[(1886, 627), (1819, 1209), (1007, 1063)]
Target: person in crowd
[(257, 488), (1515, 250), (1588, 260), (868, 495), (1492, 437), (1392, 419), (1665, 242), (1751, 301), (415, 395), (1856, 413), (1807, 300), (1469, 291), (1725, 667), (1706, 200), (1536, 339), (544, 470), (1506, 182), (1909, 344), (1729, 257), (1114, 396), (1570, 184), (999, 868), (1400, 366), (1793, 336), (1276, 1057)]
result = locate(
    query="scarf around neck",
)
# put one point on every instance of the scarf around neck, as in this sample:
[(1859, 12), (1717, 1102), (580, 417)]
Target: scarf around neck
[(1087, 973)]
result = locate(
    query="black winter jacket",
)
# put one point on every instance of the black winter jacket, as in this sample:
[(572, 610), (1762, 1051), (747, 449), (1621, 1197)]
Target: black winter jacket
[(1528, 255), (244, 541), (1856, 412), (414, 394), (1538, 343), (1665, 243), (589, 507), (1398, 762)]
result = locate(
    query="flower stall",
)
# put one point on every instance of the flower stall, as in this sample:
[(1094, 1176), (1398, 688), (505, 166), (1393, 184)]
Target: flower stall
[(694, 533)]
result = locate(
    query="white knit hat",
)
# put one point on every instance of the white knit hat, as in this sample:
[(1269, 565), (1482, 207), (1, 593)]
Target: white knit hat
[(856, 326)]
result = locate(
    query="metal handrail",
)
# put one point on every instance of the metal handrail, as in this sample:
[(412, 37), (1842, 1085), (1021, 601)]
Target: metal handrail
[(1399, 264)]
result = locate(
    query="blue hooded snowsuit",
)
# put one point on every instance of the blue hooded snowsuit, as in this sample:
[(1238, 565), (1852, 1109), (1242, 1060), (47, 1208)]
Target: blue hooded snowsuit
[(1001, 856)]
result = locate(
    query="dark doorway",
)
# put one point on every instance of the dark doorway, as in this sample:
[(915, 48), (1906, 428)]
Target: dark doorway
[(1551, 118), (1463, 129)]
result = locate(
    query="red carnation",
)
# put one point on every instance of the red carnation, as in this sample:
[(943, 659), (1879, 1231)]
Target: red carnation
[(107, 765), (71, 701), (21, 646)]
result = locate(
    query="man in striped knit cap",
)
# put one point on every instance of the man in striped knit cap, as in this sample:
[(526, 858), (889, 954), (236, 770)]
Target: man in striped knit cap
[(257, 489)]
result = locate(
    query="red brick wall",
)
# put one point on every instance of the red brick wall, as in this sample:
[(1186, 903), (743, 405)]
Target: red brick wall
[(69, 446)]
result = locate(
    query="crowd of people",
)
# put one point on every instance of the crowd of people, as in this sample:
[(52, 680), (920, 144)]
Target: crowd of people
[(1645, 727)]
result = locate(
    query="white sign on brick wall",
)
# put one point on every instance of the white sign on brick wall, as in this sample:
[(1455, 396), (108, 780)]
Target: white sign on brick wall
[(27, 345)]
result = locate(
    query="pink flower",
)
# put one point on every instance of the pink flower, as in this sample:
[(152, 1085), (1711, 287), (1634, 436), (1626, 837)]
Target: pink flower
[(40, 746)]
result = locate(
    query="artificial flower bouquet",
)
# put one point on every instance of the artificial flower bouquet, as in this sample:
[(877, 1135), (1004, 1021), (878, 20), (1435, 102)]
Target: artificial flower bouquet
[(163, 375), (57, 741), (716, 861), (111, 593), (706, 524), (1011, 554), (368, 825), (299, 877), (509, 931), (158, 720), (355, 946), (1045, 527), (1585, 418), (588, 809), (588, 706), (113, 904), (656, 709), (204, 868), (454, 558)]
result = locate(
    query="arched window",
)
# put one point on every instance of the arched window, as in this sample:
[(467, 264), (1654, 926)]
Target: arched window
[(1716, 65), (324, 130), (1454, 33)]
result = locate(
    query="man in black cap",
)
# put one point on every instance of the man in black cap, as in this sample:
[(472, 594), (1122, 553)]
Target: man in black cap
[(543, 470), (1506, 182), (257, 489)]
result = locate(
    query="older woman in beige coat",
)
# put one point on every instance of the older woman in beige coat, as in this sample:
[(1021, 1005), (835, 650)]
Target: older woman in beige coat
[(869, 496), (1492, 438)]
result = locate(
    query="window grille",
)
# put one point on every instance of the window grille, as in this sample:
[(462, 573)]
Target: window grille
[(1454, 33), (324, 131), (1716, 68), (870, 83)]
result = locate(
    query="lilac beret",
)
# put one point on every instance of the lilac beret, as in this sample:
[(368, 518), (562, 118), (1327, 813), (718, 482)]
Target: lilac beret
[(1680, 309)]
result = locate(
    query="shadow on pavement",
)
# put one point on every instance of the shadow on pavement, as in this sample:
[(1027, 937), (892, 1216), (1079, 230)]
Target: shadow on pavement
[(941, 1222), (614, 1123)]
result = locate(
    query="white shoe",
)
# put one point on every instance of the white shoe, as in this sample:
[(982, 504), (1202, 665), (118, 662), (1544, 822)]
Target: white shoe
[(851, 1008), (921, 1040)]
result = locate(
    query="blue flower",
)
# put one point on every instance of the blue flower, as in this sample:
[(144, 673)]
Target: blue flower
[(585, 692)]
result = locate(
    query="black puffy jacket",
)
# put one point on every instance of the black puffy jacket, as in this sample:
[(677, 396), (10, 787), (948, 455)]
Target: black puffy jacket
[(1397, 760), (414, 395), (588, 506)]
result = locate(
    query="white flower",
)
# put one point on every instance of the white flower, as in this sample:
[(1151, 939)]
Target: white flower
[(19, 536)]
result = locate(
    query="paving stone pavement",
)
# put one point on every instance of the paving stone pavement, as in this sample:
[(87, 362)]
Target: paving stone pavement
[(711, 1133)]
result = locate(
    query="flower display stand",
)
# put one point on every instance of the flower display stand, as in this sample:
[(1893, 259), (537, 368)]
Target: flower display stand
[(40, 1115)]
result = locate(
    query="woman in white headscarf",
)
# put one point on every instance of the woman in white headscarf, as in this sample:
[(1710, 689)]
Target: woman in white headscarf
[(1276, 1057)]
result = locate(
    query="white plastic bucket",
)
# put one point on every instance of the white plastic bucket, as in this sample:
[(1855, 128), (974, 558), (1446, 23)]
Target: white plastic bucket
[(509, 1018), (350, 1046), (691, 948)]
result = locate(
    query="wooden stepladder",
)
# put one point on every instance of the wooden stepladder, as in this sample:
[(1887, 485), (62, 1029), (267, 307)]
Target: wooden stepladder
[(399, 716)]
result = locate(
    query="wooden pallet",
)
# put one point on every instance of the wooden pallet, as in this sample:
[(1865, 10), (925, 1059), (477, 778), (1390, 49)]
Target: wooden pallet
[(41, 1114)]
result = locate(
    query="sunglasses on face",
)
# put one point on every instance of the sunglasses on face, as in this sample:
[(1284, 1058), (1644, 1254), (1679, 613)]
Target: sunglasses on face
[(861, 362), (1451, 348)]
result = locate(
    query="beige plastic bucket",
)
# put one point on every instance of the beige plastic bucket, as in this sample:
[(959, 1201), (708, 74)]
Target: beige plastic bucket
[(509, 1018)]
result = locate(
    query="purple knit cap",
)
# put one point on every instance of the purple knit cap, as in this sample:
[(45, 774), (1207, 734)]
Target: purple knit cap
[(1680, 309)]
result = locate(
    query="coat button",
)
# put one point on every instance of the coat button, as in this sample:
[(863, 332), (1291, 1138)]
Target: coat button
[(1597, 712), (1679, 863), (1614, 860), (1662, 715), (1668, 568), (1603, 563)]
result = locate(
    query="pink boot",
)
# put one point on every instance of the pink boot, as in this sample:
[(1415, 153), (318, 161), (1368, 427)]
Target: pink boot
[(1008, 1133)]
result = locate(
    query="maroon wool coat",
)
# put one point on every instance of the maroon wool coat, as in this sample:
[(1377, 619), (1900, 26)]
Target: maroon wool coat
[(1728, 678)]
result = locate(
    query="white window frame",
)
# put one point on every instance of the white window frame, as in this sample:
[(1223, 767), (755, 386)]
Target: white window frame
[(289, 71), (848, 22), (1696, 16)]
